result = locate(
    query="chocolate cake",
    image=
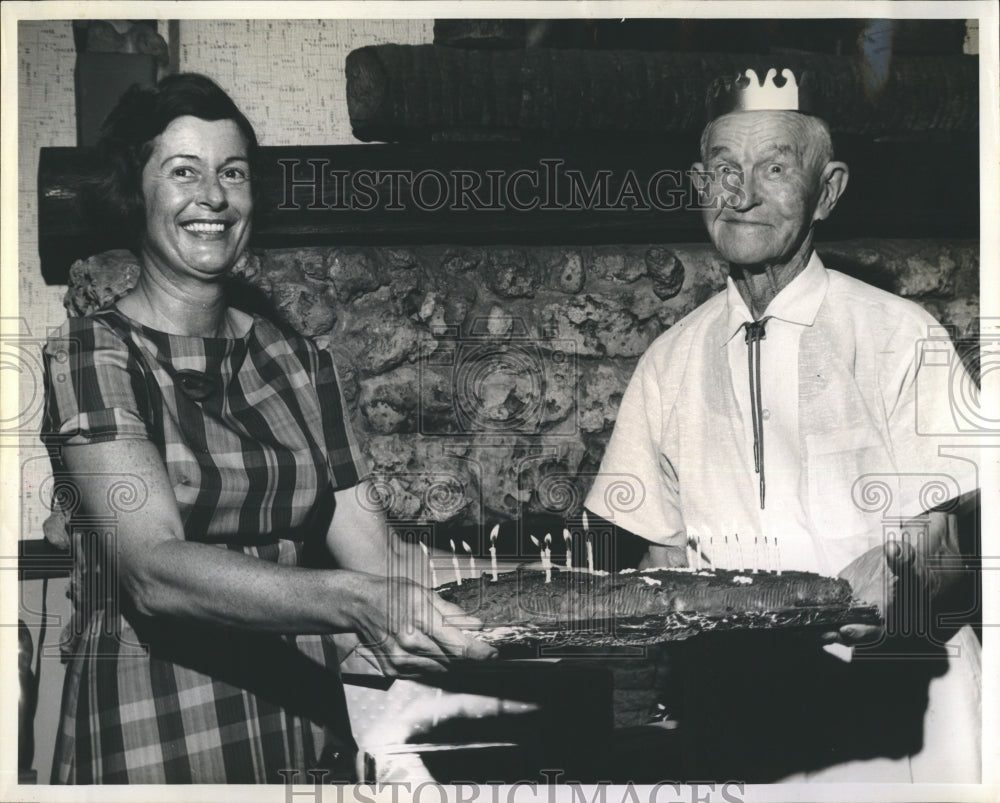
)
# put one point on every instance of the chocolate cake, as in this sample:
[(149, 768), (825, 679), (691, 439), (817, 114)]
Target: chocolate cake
[(631, 607)]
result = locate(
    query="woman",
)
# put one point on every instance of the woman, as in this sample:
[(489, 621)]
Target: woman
[(232, 439)]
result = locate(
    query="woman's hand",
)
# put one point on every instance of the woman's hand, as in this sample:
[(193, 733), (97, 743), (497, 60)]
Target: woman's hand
[(164, 575), (409, 628)]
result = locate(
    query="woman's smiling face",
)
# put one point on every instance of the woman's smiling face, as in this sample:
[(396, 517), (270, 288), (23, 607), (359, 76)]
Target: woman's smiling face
[(196, 191)]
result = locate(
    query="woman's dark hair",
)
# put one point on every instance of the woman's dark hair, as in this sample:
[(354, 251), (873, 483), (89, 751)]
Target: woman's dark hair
[(127, 136)]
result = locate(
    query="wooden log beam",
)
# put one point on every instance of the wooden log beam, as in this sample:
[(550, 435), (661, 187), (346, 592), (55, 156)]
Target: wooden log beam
[(526, 194), (420, 92), (687, 35)]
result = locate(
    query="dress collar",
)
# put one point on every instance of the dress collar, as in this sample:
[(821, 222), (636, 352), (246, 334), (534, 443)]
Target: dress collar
[(797, 303)]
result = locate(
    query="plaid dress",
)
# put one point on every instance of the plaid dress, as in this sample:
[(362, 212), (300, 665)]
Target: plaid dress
[(255, 438)]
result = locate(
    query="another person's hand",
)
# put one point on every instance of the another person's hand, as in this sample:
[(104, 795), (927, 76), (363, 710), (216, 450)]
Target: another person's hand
[(410, 629), (664, 556)]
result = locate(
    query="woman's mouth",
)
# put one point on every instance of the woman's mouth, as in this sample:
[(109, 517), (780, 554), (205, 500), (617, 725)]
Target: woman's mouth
[(204, 227)]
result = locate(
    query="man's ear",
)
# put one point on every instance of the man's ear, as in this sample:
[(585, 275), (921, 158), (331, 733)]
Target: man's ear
[(832, 183), (700, 186)]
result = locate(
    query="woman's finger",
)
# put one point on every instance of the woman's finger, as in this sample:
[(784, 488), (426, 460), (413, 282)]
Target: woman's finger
[(479, 650), (454, 616), (415, 642), (448, 625), (408, 658)]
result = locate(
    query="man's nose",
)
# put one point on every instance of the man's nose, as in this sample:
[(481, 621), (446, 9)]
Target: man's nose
[(744, 195), (211, 193)]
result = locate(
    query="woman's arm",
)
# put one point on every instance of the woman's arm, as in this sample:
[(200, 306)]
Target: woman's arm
[(165, 575), (360, 539)]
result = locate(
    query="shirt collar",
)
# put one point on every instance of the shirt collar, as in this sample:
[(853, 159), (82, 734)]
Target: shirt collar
[(797, 303)]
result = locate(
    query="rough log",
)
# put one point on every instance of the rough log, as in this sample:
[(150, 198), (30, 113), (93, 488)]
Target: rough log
[(677, 35), (420, 92)]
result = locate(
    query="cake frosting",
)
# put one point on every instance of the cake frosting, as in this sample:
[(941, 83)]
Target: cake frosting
[(658, 604)]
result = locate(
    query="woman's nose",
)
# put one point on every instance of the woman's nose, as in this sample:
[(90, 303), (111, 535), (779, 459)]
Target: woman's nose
[(211, 193)]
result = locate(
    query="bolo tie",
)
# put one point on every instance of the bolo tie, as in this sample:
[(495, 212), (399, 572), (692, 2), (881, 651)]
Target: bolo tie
[(754, 334)]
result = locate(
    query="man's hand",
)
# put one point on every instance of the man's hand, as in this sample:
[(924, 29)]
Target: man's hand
[(904, 580), (664, 556), (873, 577)]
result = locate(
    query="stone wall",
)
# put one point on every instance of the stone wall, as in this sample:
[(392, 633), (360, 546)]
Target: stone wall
[(484, 382)]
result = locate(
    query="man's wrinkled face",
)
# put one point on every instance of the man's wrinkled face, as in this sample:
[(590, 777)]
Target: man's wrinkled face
[(763, 186)]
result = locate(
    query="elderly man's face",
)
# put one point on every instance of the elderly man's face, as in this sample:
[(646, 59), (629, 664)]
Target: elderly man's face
[(769, 159)]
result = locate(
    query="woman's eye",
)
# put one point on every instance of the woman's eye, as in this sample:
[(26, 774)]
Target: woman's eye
[(775, 170), (236, 174), (182, 172)]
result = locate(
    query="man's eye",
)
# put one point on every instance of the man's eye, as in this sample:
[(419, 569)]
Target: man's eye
[(775, 169)]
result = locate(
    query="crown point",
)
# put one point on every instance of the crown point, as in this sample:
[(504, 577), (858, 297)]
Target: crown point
[(775, 91)]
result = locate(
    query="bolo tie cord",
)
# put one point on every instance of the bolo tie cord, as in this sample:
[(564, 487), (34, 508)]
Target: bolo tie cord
[(754, 334)]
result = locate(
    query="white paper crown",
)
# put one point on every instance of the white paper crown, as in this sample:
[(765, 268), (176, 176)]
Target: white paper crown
[(766, 95), (748, 92)]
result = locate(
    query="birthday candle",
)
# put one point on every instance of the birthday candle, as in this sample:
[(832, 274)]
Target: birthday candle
[(739, 549), (454, 563), (777, 550), (697, 553), (586, 523), (430, 563), (493, 549), (569, 548), (548, 557), (756, 555), (472, 558), (590, 555)]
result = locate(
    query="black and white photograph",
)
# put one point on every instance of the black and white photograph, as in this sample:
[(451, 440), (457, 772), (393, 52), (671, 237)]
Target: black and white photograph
[(501, 402)]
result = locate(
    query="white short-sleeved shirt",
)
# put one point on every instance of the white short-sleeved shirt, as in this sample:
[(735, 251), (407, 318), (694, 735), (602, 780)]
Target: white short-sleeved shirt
[(866, 419), (862, 423)]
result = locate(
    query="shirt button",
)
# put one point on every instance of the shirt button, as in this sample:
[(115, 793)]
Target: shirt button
[(765, 414)]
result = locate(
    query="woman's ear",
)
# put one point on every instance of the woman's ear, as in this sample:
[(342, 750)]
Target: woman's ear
[(832, 183)]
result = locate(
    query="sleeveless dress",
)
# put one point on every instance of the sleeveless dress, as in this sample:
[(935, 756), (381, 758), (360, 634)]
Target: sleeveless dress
[(255, 438)]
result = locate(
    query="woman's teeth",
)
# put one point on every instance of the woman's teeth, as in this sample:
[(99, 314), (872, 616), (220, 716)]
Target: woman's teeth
[(207, 228)]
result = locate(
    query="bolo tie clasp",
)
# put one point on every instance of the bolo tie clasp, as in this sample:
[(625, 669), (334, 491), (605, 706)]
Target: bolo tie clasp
[(754, 334)]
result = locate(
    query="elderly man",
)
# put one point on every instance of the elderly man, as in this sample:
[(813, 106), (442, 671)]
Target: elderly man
[(794, 407)]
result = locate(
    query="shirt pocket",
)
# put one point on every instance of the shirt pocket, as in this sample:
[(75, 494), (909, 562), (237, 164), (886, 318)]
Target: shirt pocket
[(848, 487)]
